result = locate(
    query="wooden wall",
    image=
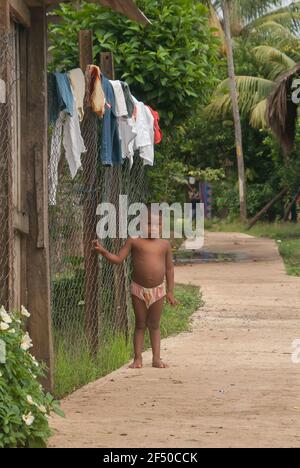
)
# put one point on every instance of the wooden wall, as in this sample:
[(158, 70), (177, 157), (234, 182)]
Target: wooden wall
[(30, 220)]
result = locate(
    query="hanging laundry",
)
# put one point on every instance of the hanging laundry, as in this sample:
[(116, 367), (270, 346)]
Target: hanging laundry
[(121, 107), (126, 125), (77, 80), (73, 143), (111, 151), (128, 98), (128, 133), (53, 104), (144, 141), (67, 132), (95, 95), (158, 135), (55, 155), (60, 96)]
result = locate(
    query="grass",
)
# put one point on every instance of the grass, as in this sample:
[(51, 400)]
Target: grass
[(74, 366), (287, 236)]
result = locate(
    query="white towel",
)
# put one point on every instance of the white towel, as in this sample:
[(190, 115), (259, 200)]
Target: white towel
[(77, 80), (121, 107)]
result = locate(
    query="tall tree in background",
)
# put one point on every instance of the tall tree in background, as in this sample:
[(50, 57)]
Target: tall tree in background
[(236, 111), (237, 15)]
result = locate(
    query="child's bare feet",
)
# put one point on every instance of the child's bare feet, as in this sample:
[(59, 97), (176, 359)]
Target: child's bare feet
[(137, 364), (159, 364)]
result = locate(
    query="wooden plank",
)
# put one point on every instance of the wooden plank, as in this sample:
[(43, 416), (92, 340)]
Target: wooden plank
[(107, 64), (20, 11), (35, 138), (125, 7), (40, 196), (120, 272), (4, 16), (23, 177), (90, 177), (85, 40), (21, 222)]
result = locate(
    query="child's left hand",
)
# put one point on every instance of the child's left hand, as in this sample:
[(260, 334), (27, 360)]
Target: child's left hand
[(171, 299)]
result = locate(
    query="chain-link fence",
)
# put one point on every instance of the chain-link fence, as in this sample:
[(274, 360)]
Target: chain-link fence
[(91, 307), (8, 130)]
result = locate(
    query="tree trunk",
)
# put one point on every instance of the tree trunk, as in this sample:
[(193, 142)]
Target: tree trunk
[(290, 206), (236, 112), (267, 207)]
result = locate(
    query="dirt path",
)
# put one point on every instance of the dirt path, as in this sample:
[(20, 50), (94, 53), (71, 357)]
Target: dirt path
[(231, 381)]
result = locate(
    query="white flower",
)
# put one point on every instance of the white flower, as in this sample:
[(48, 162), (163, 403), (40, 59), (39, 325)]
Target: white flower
[(5, 316), (24, 312), (26, 342), (28, 419), (42, 409), (12, 331), (30, 400), (4, 326), (34, 361)]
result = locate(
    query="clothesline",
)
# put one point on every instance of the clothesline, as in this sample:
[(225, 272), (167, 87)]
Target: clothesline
[(128, 126)]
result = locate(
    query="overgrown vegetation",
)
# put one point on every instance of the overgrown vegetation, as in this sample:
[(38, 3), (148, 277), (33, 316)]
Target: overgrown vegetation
[(74, 366), (24, 407)]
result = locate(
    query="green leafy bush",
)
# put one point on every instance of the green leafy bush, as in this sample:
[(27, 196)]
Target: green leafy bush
[(24, 407), (168, 64)]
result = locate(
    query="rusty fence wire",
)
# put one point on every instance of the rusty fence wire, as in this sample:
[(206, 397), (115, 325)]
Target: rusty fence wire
[(91, 308), (8, 153)]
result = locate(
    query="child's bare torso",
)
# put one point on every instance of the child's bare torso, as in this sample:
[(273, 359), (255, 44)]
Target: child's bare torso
[(149, 261)]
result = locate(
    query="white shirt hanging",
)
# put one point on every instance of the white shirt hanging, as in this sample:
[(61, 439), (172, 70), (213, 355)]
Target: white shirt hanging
[(67, 132), (144, 141), (121, 107)]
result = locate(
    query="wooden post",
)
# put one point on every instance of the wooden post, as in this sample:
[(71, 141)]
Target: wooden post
[(35, 136), (120, 274), (107, 64), (90, 178)]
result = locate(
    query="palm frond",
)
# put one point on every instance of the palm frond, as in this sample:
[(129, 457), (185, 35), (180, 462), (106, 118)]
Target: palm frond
[(282, 112), (258, 115), (288, 17), (274, 61), (251, 91), (271, 33)]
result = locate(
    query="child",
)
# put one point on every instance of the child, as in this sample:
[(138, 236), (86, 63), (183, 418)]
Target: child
[(152, 262)]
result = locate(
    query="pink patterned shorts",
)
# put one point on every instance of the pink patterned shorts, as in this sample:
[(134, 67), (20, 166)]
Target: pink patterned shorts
[(149, 295)]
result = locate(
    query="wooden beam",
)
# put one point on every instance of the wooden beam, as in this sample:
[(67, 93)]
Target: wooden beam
[(4, 17), (35, 135), (90, 177), (107, 64), (125, 7), (21, 222), (20, 11), (122, 317)]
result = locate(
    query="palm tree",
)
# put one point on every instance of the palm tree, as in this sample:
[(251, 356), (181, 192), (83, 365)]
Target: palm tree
[(243, 18), (236, 111), (253, 91)]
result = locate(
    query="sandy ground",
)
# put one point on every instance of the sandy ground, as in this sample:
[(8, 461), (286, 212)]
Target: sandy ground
[(231, 382)]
